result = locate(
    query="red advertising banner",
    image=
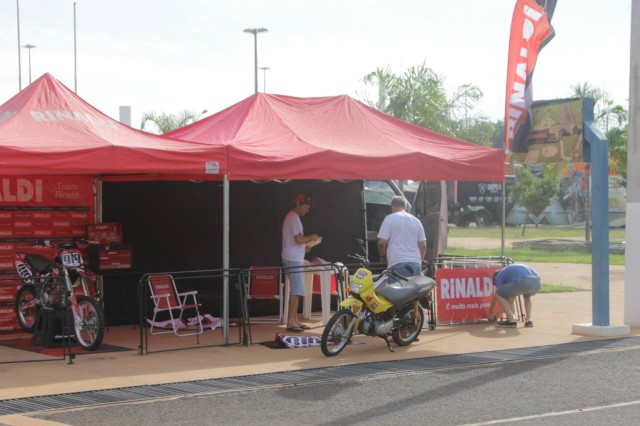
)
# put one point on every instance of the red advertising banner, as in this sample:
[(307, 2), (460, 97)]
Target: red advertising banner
[(43, 191), (530, 31), (464, 294)]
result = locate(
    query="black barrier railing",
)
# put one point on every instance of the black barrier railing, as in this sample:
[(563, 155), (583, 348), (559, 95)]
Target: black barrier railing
[(278, 273), (455, 261), (209, 285), (44, 331)]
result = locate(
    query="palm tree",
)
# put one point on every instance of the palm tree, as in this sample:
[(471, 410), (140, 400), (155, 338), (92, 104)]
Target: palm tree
[(419, 97), (163, 123), (606, 111)]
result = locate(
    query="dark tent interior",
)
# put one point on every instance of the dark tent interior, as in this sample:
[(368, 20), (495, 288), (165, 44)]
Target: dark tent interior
[(177, 226)]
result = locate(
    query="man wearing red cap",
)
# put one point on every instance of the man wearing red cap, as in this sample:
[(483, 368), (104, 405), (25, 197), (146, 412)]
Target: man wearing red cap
[(293, 250)]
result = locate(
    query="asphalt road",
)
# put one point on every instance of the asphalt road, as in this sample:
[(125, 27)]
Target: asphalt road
[(592, 388)]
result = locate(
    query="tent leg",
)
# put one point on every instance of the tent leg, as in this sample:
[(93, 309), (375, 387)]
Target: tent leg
[(225, 260)]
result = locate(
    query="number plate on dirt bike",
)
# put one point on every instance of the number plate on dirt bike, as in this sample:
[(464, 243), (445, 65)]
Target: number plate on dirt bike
[(71, 258)]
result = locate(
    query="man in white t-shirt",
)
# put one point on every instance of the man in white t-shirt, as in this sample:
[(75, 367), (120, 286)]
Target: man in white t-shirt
[(402, 243), (293, 250)]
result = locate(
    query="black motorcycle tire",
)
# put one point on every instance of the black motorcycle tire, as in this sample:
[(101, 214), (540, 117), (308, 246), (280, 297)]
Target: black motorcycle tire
[(89, 332), (408, 332), (334, 337), (27, 320)]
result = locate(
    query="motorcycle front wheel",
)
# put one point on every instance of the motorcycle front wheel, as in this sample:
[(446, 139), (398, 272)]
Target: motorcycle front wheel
[(89, 331), (410, 327), (337, 333), (26, 309)]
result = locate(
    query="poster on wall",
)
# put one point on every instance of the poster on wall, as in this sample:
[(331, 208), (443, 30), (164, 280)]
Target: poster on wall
[(45, 207), (464, 294), (556, 133), (34, 209)]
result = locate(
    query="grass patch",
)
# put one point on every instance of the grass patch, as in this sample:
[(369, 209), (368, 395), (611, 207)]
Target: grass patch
[(553, 288), (616, 235), (525, 255)]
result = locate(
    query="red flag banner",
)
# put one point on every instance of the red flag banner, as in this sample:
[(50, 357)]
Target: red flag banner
[(530, 31)]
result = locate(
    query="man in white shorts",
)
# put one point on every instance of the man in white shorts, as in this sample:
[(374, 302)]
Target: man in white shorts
[(293, 250)]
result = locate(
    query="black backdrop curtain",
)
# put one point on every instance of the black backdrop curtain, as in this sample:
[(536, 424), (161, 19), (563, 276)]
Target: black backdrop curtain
[(177, 226)]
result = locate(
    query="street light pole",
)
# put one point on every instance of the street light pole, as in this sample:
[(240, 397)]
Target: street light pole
[(255, 32), (264, 79), (29, 47), (19, 60)]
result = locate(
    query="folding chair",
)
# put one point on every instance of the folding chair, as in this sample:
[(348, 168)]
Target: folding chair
[(265, 283), (166, 298)]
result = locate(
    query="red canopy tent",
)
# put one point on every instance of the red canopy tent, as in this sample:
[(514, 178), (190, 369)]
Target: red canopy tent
[(48, 129), (50, 138), (283, 137)]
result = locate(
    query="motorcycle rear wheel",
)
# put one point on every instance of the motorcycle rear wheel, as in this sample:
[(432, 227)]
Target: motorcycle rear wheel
[(26, 315), (408, 330), (336, 334), (89, 331)]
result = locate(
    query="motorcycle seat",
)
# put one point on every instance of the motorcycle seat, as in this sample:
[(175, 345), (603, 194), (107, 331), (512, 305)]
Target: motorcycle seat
[(40, 263), (400, 293)]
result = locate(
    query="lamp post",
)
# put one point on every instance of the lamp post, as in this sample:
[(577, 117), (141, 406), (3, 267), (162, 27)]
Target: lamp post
[(255, 32), (264, 79), (204, 111), (29, 47), (19, 59)]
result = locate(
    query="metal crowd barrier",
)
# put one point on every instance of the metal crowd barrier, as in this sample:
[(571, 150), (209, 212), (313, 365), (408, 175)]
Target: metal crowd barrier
[(455, 261), (211, 286), (246, 276)]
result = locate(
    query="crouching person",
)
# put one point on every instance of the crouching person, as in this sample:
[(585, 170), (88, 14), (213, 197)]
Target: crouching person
[(510, 282)]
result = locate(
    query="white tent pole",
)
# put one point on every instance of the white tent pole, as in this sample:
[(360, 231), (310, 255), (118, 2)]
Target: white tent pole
[(225, 258), (503, 221)]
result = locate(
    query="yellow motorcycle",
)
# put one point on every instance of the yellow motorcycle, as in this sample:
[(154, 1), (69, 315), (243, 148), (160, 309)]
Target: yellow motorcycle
[(391, 310)]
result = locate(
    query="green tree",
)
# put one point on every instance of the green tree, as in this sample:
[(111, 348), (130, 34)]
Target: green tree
[(497, 138), (479, 132), (606, 112), (163, 123), (612, 119), (418, 96), (535, 193), (618, 138)]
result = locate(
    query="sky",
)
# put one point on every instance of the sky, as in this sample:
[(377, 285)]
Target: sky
[(169, 56)]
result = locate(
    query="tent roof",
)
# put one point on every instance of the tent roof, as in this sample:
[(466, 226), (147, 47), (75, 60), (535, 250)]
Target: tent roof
[(48, 129), (283, 137)]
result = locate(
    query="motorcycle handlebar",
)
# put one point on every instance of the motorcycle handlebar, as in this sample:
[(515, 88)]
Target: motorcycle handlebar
[(361, 258), (68, 245)]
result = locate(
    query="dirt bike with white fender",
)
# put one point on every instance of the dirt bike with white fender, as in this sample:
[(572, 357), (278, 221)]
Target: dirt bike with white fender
[(391, 311), (50, 274)]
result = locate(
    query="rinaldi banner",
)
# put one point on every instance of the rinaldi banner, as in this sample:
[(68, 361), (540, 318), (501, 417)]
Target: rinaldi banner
[(464, 294), (46, 191), (43, 207), (530, 31)]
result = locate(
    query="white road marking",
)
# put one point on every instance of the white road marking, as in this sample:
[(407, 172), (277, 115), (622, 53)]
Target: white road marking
[(556, 413)]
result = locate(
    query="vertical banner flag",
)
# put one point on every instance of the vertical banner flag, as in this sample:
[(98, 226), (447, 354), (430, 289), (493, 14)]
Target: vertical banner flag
[(530, 31)]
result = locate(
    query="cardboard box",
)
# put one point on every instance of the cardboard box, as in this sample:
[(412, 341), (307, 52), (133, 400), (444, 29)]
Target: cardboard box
[(107, 258), (105, 233)]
